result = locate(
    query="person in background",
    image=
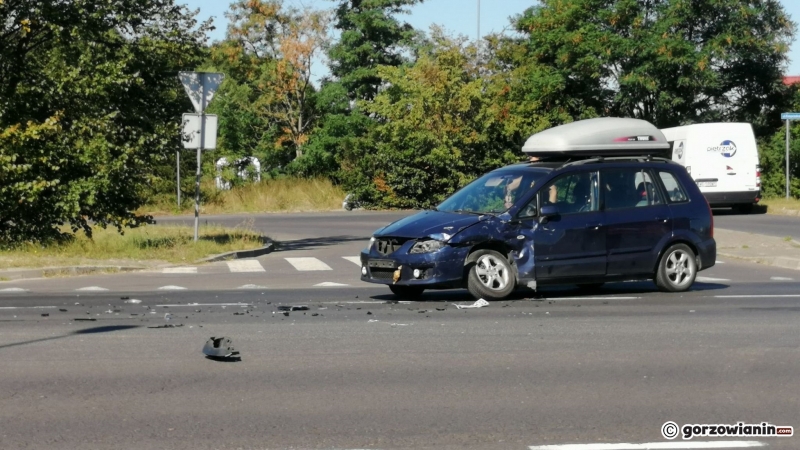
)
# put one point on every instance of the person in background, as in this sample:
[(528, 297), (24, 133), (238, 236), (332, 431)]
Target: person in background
[(514, 185)]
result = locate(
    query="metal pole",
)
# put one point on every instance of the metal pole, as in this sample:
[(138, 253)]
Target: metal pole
[(178, 164), (479, 21), (787, 158), (200, 158)]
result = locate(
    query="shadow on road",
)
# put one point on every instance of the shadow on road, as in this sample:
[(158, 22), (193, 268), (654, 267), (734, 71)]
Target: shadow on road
[(95, 330), (757, 209), (312, 243)]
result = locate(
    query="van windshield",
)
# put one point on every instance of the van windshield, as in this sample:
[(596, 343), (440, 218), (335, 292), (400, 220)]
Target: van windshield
[(492, 193)]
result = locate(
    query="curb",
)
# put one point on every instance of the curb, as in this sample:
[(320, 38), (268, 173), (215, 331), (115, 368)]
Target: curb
[(21, 274), (240, 254), (776, 261)]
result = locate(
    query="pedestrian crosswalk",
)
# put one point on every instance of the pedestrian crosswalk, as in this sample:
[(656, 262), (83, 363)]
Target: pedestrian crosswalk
[(299, 264)]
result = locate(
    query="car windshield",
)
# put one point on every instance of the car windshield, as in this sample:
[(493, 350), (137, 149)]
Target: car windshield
[(492, 193)]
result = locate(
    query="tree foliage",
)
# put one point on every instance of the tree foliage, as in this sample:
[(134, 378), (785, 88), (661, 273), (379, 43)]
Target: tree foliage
[(89, 105)]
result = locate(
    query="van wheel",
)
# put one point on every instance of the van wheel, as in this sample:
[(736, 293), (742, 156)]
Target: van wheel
[(745, 208), (409, 292), (677, 269), (490, 276)]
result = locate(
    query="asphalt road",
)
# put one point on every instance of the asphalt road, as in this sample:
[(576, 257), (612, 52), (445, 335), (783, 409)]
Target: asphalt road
[(769, 224), (358, 371)]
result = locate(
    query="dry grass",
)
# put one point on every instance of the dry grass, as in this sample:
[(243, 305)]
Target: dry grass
[(781, 205), (145, 246), (282, 195)]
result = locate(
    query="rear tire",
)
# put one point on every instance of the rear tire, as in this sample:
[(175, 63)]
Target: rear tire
[(408, 292), (490, 276), (677, 269), (745, 208)]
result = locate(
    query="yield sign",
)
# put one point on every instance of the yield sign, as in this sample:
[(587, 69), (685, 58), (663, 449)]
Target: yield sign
[(201, 87)]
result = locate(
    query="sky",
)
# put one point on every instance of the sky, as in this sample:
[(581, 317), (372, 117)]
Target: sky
[(457, 16)]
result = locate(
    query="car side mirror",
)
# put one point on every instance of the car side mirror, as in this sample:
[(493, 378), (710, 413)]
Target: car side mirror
[(547, 213)]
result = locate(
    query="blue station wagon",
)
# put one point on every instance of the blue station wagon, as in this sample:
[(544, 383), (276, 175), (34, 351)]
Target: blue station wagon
[(596, 204)]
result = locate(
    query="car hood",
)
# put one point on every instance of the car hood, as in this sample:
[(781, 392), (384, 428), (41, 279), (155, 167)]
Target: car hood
[(427, 223)]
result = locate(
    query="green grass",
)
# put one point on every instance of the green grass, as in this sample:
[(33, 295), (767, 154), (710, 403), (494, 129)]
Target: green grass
[(145, 246), (281, 195)]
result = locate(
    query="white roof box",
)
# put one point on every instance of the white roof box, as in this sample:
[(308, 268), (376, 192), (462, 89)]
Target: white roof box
[(605, 136)]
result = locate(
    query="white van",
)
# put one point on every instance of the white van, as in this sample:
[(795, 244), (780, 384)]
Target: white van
[(722, 159)]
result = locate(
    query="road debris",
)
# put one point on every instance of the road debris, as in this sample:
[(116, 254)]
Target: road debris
[(62, 310), (134, 301), (84, 319), (167, 317), (169, 325), (478, 304), (45, 315), (221, 349), (293, 308), (441, 309)]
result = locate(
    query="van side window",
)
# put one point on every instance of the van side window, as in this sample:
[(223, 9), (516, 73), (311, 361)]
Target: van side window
[(675, 192), (629, 188)]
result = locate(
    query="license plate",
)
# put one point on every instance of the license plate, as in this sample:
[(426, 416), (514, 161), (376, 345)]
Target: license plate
[(706, 184), (382, 264)]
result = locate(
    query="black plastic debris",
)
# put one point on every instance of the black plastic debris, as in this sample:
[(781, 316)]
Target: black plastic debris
[(221, 349), (441, 309), (169, 325), (45, 315), (314, 315), (124, 298), (293, 308), (63, 310), (84, 319), (286, 313), (369, 313)]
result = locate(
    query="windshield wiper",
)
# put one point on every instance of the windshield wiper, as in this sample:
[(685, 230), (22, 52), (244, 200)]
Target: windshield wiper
[(477, 213)]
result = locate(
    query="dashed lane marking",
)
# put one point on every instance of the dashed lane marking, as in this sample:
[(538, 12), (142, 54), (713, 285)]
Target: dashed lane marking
[(712, 280), (245, 266), (204, 304), (330, 284), (652, 445), (307, 264), (14, 289), (28, 307), (92, 288), (252, 286), (353, 259), (172, 288), (179, 270), (759, 296), (781, 279)]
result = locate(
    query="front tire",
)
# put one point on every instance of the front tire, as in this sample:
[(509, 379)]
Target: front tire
[(407, 292), (490, 276), (677, 269)]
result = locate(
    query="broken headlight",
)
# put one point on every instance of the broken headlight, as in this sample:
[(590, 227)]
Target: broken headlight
[(429, 246)]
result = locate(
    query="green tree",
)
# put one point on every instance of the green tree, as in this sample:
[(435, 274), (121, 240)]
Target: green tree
[(671, 62), (437, 129), (89, 105), (772, 155)]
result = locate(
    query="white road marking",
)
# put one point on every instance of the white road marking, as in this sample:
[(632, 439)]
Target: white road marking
[(252, 286), (179, 270), (758, 296), (307, 264), (14, 289), (330, 284), (353, 259), (363, 302), (781, 279), (92, 288), (171, 288), (719, 262), (29, 307), (652, 445), (591, 298), (245, 265), (711, 280), (205, 304)]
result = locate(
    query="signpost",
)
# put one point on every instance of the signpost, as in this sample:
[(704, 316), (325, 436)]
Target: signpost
[(201, 87), (788, 117)]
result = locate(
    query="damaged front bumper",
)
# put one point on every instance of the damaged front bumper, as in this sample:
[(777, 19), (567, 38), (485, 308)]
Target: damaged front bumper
[(441, 269)]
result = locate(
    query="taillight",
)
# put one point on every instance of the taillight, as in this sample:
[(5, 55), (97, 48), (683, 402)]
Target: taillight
[(758, 176)]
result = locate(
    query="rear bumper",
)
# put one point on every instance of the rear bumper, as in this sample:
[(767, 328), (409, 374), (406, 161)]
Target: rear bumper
[(707, 253), (732, 198)]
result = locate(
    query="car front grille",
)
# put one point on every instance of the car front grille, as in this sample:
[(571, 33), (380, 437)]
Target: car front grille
[(387, 246), (381, 273)]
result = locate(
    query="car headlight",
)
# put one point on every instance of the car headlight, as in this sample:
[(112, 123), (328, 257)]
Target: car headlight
[(428, 246), (371, 242)]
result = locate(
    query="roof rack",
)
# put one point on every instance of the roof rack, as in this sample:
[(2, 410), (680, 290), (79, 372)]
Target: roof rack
[(600, 159)]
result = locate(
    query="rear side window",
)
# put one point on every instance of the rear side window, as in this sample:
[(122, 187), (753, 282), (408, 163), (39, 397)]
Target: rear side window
[(675, 191), (629, 188)]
